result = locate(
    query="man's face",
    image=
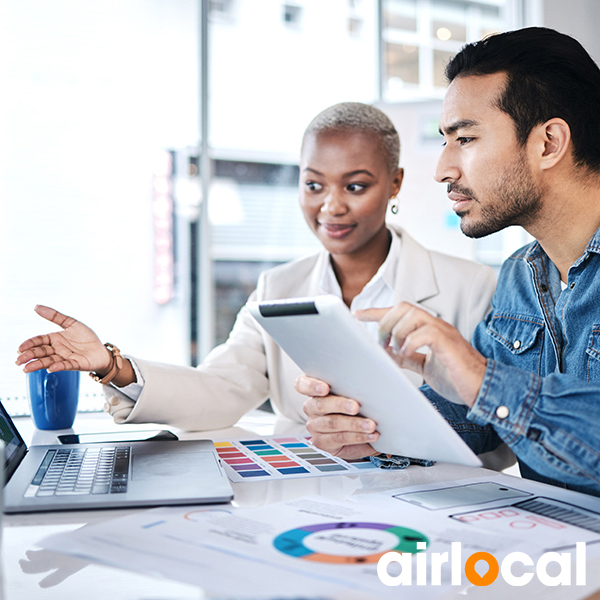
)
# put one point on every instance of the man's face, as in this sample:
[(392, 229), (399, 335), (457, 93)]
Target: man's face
[(488, 174)]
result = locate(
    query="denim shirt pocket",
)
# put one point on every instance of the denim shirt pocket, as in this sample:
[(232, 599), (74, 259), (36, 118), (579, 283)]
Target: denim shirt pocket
[(519, 338), (593, 352)]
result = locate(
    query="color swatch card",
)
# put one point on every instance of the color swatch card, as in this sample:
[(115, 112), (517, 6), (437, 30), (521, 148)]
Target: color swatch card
[(281, 458)]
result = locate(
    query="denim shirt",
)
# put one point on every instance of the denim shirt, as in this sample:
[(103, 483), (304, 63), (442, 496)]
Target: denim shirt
[(541, 389)]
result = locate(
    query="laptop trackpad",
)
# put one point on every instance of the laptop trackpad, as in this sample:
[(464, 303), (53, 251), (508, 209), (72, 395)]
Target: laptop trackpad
[(151, 466)]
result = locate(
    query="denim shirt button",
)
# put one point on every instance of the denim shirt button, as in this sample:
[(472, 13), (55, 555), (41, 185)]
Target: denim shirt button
[(544, 287), (517, 344), (572, 285), (502, 412)]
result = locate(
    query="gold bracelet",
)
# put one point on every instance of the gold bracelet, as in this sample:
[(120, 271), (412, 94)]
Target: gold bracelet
[(115, 367)]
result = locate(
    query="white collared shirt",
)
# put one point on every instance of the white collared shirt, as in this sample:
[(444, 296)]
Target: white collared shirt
[(378, 293)]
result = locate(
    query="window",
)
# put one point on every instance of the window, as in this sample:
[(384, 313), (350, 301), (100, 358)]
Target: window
[(355, 19), (402, 62), (449, 21), (96, 91), (420, 36), (256, 224)]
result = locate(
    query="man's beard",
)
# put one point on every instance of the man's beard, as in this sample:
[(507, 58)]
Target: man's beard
[(516, 201)]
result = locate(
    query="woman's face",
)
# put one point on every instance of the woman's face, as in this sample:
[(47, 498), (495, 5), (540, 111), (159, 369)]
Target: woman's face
[(345, 187)]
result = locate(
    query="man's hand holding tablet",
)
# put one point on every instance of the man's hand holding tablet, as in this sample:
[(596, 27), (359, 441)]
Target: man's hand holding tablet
[(332, 421)]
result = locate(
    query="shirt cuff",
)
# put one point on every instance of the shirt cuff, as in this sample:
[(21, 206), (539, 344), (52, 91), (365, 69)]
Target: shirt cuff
[(119, 407), (505, 400), (133, 390)]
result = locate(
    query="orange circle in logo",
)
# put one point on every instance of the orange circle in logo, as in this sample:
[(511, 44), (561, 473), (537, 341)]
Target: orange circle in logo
[(492, 572)]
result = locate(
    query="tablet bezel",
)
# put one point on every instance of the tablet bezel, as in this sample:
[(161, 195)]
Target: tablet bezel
[(323, 338)]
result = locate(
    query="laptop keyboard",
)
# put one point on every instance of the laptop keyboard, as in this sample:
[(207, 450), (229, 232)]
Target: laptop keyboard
[(74, 472)]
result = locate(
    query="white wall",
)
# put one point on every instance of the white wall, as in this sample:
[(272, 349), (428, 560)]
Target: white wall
[(92, 90), (578, 18), (269, 80)]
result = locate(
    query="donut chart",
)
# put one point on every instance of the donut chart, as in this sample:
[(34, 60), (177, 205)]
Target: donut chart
[(348, 542)]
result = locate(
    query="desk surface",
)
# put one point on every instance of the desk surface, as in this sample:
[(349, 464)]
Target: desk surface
[(31, 573)]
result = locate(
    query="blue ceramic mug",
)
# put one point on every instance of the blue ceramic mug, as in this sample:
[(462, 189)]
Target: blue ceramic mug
[(53, 398)]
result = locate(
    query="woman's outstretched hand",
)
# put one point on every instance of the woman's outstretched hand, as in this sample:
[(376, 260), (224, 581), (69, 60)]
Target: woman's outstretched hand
[(75, 348)]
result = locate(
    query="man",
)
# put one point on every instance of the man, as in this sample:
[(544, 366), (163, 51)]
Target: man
[(522, 147)]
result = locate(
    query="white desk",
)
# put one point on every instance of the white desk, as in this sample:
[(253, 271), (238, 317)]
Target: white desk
[(31, 573)]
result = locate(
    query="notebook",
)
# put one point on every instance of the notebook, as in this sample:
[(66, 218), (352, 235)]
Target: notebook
[(89, 476)]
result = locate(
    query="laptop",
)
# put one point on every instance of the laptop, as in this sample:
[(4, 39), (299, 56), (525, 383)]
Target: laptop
[(112, 475)]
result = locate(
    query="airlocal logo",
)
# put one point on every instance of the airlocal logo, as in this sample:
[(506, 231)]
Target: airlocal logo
[(494, 569)]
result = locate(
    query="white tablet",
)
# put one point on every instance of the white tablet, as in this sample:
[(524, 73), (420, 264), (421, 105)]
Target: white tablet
[(323, 338)]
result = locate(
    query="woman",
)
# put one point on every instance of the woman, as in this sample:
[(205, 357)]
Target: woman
[(348, 176)]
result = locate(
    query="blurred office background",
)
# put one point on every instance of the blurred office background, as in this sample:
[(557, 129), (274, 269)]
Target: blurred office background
[(102, 214)]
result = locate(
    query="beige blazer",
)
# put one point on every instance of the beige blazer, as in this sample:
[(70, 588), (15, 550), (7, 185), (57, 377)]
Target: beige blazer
[(249, 367)]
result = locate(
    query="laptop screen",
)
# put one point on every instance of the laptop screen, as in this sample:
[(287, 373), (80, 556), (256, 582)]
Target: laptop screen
[(15, 447)]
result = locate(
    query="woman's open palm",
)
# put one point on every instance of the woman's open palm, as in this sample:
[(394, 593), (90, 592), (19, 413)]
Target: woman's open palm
[(75, 348)]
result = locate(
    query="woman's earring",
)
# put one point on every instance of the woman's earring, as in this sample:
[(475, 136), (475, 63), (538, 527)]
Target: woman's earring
[(394, 205)]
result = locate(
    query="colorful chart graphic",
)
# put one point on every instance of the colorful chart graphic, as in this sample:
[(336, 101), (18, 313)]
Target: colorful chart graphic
[(348, 543), (275, 457)]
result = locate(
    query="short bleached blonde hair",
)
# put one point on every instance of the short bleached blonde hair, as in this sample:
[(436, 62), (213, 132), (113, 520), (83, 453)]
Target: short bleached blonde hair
[(359, 117)]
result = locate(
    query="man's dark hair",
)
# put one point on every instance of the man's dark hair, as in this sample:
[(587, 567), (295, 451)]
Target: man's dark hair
[(549, 74)]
